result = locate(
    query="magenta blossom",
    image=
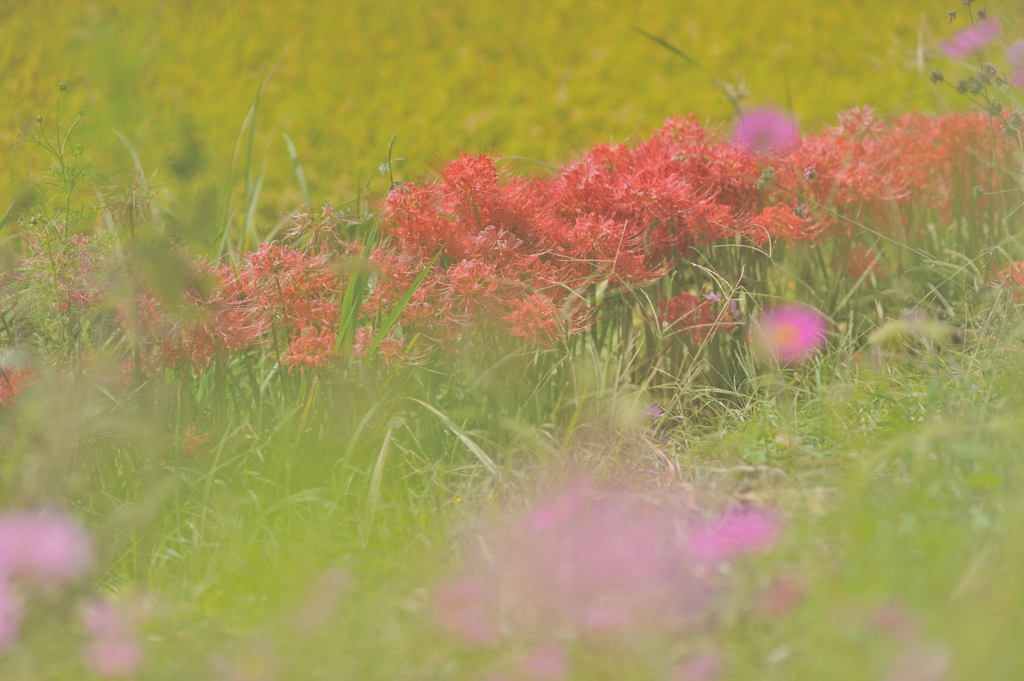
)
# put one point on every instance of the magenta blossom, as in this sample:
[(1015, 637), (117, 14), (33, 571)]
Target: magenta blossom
[(746, 531), (48, 547), (766, 130), (1015, 55), (790, 334), (973, 39)]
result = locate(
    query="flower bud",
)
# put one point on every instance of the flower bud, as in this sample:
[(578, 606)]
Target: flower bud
[(62, 87), (938, 76), (952, 16), (978, 192), (39, 119)]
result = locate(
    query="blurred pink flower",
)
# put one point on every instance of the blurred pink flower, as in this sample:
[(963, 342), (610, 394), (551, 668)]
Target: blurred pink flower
[(323, 598), (580, 563), (790, 334), (766, 130), (546, 663), (1015, 55), (114, 649), (113, 657), (10, 614), (896, 620), (782, 595), (463, 606), (746, 531), (701, 667), (973, 39), (560, 509), (922, 662), (47, 547)]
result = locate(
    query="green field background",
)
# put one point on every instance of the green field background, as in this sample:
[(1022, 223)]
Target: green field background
[(536, 78)]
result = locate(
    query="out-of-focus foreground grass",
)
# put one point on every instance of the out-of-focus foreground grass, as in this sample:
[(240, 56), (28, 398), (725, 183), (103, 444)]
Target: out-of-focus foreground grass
[(536, 79)]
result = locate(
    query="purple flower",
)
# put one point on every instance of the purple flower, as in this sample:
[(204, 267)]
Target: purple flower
[(653, 412), (1015, 55), (973, 39), (47, 547), (746, 531), (790, 334), (766, 130)]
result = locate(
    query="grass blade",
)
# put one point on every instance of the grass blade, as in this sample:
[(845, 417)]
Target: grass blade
[(400, 305), (479, 453), (378, 475), (300, 174)]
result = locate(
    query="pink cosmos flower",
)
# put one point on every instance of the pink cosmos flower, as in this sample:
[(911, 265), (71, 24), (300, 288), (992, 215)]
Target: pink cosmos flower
[(790, 334), (746, 531), (922, 662), (701, 667), (114, 649), (323, 598), (766, 130), (1015, 55), (784, 593), (463, 606), (10, 614), (973, 39), (114, 657), (560, 509), (48, 547), (546, 663)]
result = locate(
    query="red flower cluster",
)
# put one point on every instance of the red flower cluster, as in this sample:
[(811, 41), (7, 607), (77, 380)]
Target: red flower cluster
[(279, 295), (518, 252), (12, 383), (1013, 275), (523, 257), (696, 315), (893, 174)]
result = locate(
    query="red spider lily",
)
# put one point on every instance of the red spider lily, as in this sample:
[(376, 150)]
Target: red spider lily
[(12, 383), (860, 260), (695, 315), (517, 257)]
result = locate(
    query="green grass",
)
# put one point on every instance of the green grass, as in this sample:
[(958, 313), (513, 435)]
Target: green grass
[(900, 476), (896, 464)]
